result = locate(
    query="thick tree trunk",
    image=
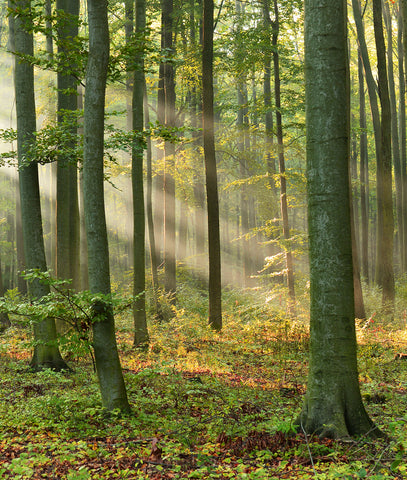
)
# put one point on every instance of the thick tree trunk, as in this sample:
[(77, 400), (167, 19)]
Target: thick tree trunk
[(215, 285), (46, 352), (333, 405), (139, 278), (108, 366)]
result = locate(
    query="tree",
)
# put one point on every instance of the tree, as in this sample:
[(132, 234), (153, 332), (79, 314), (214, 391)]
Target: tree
[(333, 405), (385, 222), (4, 319), (68, 243), (139, 307), (281, 163), (108, 366), (215, 285), (167, 26), (46, 352)]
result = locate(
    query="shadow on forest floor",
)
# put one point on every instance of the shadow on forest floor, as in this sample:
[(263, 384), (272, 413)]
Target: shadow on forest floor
[(204, 405)]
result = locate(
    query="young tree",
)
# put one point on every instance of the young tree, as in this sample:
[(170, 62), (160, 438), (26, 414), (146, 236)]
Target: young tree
[(139, 307), (215, 285), (281, 163), (46, 352), (4, 319), (108, 366), (169, 150), (67, 206), (333, 405), (385, 221)]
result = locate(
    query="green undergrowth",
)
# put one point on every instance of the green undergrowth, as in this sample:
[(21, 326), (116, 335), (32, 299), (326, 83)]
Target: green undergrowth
[(204, 404)]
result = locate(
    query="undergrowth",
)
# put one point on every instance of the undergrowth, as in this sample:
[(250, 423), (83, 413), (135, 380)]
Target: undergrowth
[(204, 404)]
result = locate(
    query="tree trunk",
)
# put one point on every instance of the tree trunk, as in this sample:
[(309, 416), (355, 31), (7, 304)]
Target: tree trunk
[(67, 265), (333, 405), (364, 173), (215, 284), (139, 273), (169, 152), (395, 144), (385, 224), (108, 366), (46, 352), (281, 163), (402, 57), (149, 211), (4, 319)]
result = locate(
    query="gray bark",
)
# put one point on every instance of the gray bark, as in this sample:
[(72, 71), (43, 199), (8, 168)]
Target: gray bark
[(108, 366), (333, 405)]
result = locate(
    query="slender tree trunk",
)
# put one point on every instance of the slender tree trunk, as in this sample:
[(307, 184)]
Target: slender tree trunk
[(139, 307), (128, 32), (364, 172), (281, 162), (149, 211), (169, 152), (385, 225), (215, 285), (4, 319), (67, 265), (395, 144), (333, 405), (108, 366), (402, 57), (46, 352)]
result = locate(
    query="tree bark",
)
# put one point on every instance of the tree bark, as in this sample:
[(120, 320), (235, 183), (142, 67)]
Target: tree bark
[(395, 144), (281, 163), (4, 319), (46, 352), (139, 271), (68, 241), (333, 405), (169, 153), (385, 223), (363, 173), (108, 366), (215, 284)]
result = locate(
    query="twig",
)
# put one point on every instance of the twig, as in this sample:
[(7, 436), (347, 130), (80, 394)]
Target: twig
[(309, 450)]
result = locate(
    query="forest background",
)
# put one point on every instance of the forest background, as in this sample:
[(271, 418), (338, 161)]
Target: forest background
[(259, 118)]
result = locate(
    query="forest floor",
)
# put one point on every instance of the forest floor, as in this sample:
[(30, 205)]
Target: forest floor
[(204, 405)]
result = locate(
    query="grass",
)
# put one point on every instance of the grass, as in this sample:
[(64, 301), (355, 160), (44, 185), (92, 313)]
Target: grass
[(204, 405)]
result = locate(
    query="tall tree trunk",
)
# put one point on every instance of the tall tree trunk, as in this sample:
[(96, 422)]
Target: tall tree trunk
[(108, 366), (139, 278), (364, 172), (21, 283), (68, 243), (281, 163), (371, 88), (215, 285), (169, 152), (149, 211), (402, 58), (46, 352), (385, 224), (333, 405), (395, 144)]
